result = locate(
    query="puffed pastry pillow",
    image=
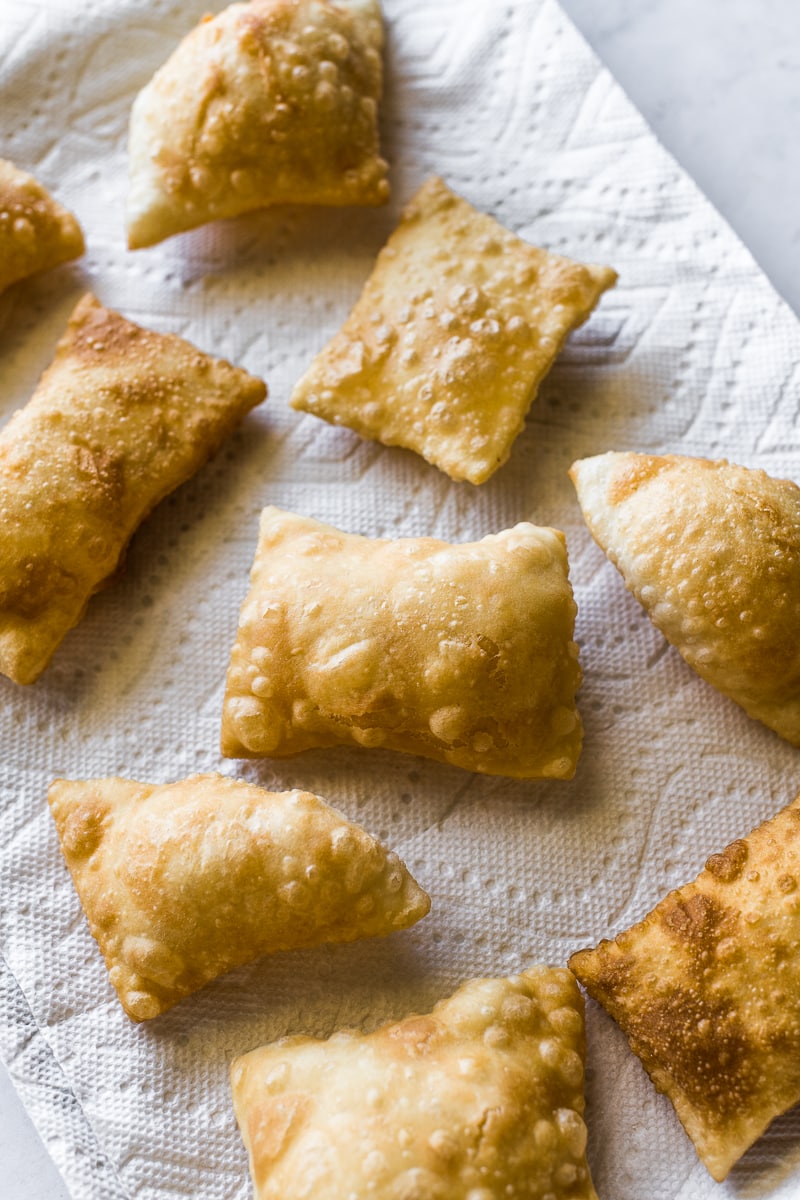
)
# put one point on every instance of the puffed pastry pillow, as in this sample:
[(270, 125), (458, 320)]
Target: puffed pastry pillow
[(182, 882), (121, 417), (454, 331), (482, 1099), (712, 551), (271, 102), (707, 991), (36, 232), (461, 653)]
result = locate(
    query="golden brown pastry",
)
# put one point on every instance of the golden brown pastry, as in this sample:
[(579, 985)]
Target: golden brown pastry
[(180, 883), (712, 551), (454, 331), (707, 991), (460, 653), (121, 417), (482, 1099), (36, 232), (271, 102)]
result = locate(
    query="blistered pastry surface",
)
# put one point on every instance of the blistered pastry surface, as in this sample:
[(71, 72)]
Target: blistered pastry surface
[(271, 102), (690, 352), (462, 653), (183, 882), (483, 1097), (458, 323), (36, 232), (712, 551), (120, 418), (707, 990)]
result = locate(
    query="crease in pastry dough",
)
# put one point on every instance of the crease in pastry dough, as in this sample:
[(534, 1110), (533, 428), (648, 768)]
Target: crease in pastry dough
[(462, 653), (707, 991), (182, 882), (482, 1099), (270, 102), (36, 232), (121, 417), (454, 331), (712, 552)]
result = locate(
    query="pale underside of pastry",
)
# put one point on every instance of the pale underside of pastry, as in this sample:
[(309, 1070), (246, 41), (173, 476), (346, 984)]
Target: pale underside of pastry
[(707, 990), (482, 1099), (461, 653), (120, 418), (36, 232), (712, 552), (271, 102), (182, 882), (455, 329)]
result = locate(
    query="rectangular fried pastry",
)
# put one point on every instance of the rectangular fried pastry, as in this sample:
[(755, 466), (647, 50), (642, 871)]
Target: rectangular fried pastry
[(707, 991), (481, 1099), (121, 417), (462, 653), (184, 881), (455, 329)]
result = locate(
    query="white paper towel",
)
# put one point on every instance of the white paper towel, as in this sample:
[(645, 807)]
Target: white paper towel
[(693, 352)]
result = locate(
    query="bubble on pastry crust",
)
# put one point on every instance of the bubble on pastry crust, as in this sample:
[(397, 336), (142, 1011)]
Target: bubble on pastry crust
[(247, 717), (517, 1010), (572, 1128), (566, 1021), (448, 723), (545, 1135), (496, 1036), (370, 737), (152, 959), (142, 1006), (262, 686), (443, 1145)]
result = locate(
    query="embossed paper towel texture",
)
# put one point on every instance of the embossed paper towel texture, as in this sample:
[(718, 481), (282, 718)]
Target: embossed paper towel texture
[(693, 352)]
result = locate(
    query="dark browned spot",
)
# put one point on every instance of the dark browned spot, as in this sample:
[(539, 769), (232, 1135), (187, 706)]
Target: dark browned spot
[(103, 471), (699, 922), (729, 864), (83, 830), (95, 332), (272, 1125), (416, 1034), (629, 478), (703, 1046), (33, 586)]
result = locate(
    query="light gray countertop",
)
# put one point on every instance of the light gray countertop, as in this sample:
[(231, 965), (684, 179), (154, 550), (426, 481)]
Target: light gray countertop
[(719, 82)]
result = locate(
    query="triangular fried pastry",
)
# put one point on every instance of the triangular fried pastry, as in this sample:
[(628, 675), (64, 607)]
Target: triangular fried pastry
[(271, 102), (121, 417), (36, 232), (454, 331), (482, 1099), (185, 881), (707, 991), (712, 552), (462, 653)]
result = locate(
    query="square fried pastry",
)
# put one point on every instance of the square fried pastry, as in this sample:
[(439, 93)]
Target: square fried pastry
[(270, 102), (454, 331), (462, 653), (712, 552), (185, 881), (36, 232), (482, 1099), (707, 991), (120, 418)]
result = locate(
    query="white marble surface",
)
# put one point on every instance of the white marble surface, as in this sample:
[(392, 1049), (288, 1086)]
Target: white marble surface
[(719, 81)]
